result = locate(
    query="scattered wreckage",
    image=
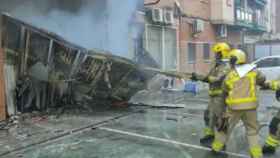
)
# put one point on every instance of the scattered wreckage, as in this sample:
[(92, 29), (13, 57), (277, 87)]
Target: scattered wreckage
[(39, 69)]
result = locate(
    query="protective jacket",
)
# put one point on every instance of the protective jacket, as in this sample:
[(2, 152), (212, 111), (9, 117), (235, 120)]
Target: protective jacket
[(215, 78), (241, 92)]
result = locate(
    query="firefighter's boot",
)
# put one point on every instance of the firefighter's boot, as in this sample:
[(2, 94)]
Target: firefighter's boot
[(270, 145), (256, 152), (208, 137), (267, 149), (218, 146)]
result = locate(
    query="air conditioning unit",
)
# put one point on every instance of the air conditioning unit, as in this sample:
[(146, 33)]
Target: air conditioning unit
[(168, 17), (198, 25), (157, 15), (222, 31)]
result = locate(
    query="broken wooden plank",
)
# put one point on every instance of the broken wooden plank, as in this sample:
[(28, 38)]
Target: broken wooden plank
[(2, 80)]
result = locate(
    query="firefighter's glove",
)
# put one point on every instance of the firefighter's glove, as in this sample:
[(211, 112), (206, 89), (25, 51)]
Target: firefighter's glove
[(265, 86), (206, 80), (194, 77), (222, 123), (274, 85), (277, 94)]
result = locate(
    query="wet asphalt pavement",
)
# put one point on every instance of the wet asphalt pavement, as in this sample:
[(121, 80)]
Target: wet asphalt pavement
[(143, 132)]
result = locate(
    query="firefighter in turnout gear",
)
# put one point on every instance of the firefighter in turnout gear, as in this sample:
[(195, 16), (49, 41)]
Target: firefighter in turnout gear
[(240, 89), (214, 78), (273, 139)]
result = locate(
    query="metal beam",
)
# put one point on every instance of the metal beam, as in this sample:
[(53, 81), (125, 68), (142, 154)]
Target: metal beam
[(50, 51), (21, 50)]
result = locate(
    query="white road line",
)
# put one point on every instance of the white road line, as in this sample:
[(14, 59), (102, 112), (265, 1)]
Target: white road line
[(186, 155), (184, 114), (168, 141)]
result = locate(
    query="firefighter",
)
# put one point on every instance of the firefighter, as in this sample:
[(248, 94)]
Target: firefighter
[(273, 139), (240, 88), (214, 78)]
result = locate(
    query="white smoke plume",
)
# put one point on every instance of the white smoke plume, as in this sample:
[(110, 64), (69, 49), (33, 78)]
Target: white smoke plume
[(100, 24)]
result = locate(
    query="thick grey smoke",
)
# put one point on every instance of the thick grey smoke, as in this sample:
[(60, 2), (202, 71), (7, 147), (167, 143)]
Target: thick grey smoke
[(101, 24)]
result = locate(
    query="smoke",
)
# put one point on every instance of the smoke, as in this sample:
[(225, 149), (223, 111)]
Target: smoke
[(101, 24)]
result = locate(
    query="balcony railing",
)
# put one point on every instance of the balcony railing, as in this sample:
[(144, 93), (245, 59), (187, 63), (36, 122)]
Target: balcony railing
[(248, 19), (244, 17)]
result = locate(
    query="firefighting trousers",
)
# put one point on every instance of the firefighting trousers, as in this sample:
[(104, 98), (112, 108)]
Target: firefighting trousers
[(214, 110), (249, 119), (274, 131)]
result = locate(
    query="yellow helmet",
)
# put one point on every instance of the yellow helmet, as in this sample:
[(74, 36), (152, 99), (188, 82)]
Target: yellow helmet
[(223, 48), (239, 54)]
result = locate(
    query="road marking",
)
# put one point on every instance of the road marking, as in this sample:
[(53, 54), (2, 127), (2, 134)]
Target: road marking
[(168, 141), (66, 134), (184, 114), (182, 150)]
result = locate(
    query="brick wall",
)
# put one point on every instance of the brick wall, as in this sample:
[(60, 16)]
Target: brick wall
[(199, 9), (196, 9)]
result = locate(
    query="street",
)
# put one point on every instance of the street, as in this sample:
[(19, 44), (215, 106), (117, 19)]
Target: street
[(136, 132), (104, 79)]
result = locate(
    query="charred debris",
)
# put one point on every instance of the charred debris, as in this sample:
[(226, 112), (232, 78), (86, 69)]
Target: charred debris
[(41, 70)]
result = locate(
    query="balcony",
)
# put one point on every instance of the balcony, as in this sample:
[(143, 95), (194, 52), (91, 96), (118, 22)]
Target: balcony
[(259, 28), (250, 20), (243, 17), (222, 13)]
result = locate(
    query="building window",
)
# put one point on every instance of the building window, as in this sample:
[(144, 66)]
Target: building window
[(191, 52), (170, 49), (240, 3), (206, 51), (161, 45)]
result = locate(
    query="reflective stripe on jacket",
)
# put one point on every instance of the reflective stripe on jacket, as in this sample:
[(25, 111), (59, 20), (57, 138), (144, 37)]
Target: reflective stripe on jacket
[(215, 92), (242, 92)]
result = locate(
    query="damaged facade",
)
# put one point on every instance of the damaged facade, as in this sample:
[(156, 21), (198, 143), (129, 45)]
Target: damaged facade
[(40, 69)]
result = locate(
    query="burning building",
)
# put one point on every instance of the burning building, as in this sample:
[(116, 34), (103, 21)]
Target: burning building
[(40, 69), (105, 25)]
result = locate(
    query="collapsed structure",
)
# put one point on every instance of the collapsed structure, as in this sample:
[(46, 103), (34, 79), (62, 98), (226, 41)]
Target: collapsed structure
[(39, 69)]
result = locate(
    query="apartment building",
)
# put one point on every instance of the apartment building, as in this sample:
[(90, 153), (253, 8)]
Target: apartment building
[(184, 42)]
